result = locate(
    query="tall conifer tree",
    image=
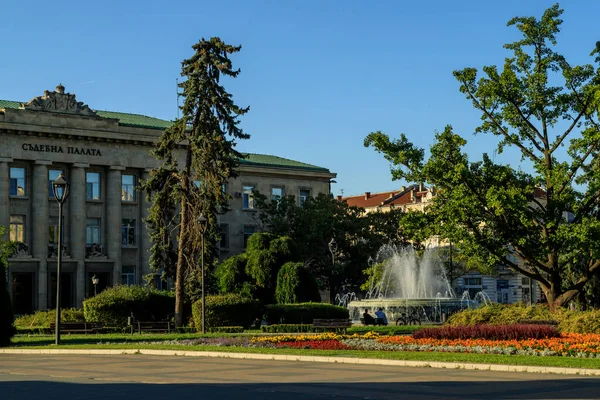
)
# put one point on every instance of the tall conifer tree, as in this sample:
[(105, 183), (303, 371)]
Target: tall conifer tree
[(199, 156)]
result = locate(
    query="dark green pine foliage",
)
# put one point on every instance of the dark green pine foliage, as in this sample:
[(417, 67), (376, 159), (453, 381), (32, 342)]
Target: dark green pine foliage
[(7, 329), (199, 156)]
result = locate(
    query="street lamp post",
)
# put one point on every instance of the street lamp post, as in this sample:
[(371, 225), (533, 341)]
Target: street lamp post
[(202, 220), (61, 191), (332, 249), (95, 283)]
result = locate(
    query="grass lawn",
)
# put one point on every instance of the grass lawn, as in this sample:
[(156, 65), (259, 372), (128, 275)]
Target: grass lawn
[(136, 341)]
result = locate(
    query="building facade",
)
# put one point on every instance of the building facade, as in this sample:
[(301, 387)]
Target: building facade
[(103, 155)]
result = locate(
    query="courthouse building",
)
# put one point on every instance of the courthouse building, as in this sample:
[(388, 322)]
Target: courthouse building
[(103, 155)]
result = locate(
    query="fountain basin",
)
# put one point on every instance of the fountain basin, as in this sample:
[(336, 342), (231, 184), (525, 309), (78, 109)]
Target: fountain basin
[(427, 311)]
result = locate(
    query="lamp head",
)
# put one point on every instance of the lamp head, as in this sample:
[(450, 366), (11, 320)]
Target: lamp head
[(332, 246), (94, 280), (61, 188)]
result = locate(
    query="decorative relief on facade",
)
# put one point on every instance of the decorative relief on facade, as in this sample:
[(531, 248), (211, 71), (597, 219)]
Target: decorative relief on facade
[(21, 251), (53, 252), (96, 251), (60, 102)]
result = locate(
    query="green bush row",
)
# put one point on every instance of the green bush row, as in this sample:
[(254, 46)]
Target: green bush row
[(226, 329), (287, 328), (302, 313), (502, 314), (43, 319), (113, 305), (226, 310)]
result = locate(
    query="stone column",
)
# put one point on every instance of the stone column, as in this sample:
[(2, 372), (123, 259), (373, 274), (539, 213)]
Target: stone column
[(114, 220), (77, 222), (4, 199), (144, 235), (39, 222)]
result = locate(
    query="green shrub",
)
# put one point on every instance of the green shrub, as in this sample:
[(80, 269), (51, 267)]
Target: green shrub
[(295, 284), (226, 310), (580, 321), (43, 319), (112, 306), (287, 328), (501, 314), (226, 329), (302, 313), (231, 274)]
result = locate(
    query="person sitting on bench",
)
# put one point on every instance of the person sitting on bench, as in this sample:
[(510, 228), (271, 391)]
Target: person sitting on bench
[(381, 317), (368, 319)]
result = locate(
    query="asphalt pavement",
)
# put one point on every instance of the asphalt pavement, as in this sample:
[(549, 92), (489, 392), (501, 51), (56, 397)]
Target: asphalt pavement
[(148, 377)]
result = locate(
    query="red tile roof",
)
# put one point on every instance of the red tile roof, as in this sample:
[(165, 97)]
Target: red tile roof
[(395, 198)]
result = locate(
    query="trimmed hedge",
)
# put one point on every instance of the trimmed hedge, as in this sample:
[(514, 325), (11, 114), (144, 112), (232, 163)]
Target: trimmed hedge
[(489, 332), (288, 328), (112, 306), (302, 313), (226, 310), (227, 329), (43, 319)]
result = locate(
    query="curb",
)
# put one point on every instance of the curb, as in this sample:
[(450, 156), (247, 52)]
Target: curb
[(337, 360)]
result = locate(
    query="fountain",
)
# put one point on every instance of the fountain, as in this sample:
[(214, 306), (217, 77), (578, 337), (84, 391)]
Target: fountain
[(411, 288)]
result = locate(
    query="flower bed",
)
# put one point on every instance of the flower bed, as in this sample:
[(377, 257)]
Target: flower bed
[(490, 332), (570, 345), (566, 345)]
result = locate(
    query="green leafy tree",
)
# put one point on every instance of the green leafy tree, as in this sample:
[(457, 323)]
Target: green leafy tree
[(295, 284), (189, 183), (254, 272), (320, 219), (544, 223), (7, 329)]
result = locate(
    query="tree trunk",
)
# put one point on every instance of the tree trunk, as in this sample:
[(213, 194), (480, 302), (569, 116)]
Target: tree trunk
[(183, 226)]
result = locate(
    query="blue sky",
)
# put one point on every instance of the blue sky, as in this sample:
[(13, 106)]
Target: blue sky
[(318, 75)]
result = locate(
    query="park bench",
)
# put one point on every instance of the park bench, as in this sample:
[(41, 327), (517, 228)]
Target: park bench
[(155, 326), (77, 327), (378, 322), (341, 324)]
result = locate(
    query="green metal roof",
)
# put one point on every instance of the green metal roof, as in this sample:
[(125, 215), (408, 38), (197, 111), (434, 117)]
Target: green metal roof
[(142, 121), (135, 120), (277, 162)]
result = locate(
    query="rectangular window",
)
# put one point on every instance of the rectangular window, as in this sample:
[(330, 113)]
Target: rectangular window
[(92, 232), (127, 187), (224, 243), (304, 195), (128, 275), (524, 281), (473, 281), (248, 197), (17, 181), (128, 232), (248, 231), (276, 194), (53, 230), (92, 186), (17, 228), (52, 175)]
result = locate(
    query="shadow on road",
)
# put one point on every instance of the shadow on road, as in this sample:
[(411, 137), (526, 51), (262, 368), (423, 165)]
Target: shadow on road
[(577, 388)]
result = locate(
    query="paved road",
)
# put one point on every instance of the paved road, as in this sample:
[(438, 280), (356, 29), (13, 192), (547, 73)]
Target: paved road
[(146, 377)]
